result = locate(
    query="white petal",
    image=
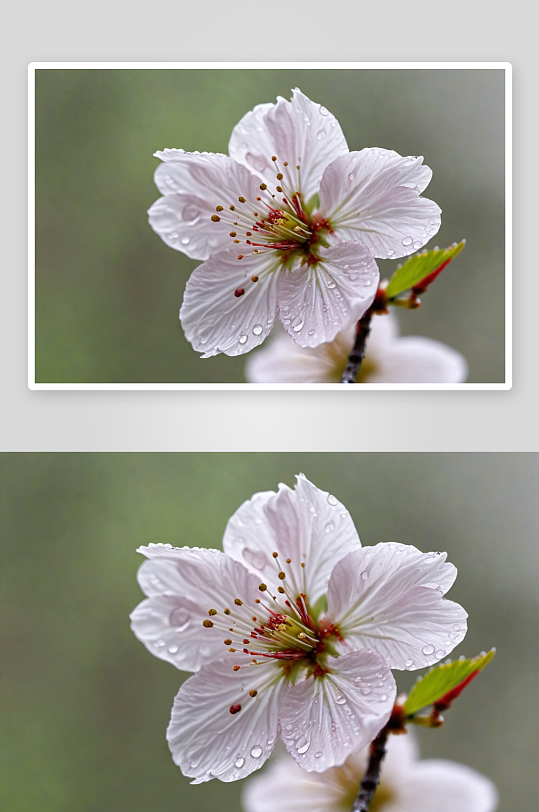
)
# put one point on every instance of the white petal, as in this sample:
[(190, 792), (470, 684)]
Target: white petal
[(384, 332), (193, 185), (325, 719), (170, 626), (207, 740), (306, 525), (215, 319), (389, 598), (316, 302), (415, 359), (297, 131), (436, 785), (281, 360), (374, 196), (299, 791), (183, 584)]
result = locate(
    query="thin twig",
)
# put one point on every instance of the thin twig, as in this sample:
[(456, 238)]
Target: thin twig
[(371, 779), (358, 350)]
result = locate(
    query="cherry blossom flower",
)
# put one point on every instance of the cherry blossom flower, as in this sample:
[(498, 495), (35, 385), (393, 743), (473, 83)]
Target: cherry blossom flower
[(388, 359), (292, 632), (407, 785), (288, 226)]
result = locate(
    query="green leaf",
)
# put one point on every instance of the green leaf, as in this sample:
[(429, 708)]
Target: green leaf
[(444, 679), (419, 266)]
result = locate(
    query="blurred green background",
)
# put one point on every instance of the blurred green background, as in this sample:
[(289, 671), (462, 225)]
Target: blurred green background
[(108, 290), (85, 706)]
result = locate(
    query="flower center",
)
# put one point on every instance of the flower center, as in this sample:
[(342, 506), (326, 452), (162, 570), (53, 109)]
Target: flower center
[(276, 220)]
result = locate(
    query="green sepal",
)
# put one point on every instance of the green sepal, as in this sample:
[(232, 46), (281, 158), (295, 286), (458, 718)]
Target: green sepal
[(442, 679), (419, 266)]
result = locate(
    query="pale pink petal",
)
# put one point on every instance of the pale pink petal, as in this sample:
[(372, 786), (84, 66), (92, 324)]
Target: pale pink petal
[(170, 626), (183, 584), (325, 719), (374, 196), (389, 598), (306, 525), (281, 360), (193, 184), (299, 791), (299, 132), (316, 302), (437, 785), (215, 319), (207, 740), (415, 359)]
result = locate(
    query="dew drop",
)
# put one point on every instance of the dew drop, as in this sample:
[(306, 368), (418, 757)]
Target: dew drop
[(390, 252), (330, 283), (340, 699), (288, 727), (407, 241), (311, 332), (352, 277), (364, 575), (243, 338), (351, 176), (323, 110), (304, 748), (409, 663), (417, 245), (368, 283), (161, 643), (239, 762), (298, 327), (256, 751), (255, 558), (179, 618), (440, 653), (432, 222), (329, 527), (317, 755), (331, 500), (258, 162), (191, 214), (174, 235), (321, 134), (428, 649), (383, 698), (257, 329), (456, 627), (173, 649), (365, 690), (185, 240)]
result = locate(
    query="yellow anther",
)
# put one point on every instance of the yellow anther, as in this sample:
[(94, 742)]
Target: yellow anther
[(215, 218), (279, 176), (282, 576), (263, 186), (262, 587), (218, 208), (280, 589), (288, 560), (228, 641), (253, 693), (212, 612), (275, 555), (207, 623), (238, 602), (232, 233), (241, 199), (227, 611)]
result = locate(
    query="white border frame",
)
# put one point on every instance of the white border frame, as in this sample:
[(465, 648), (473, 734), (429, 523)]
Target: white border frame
[(505, 66)]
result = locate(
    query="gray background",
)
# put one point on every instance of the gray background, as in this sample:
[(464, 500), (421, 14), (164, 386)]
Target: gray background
[(85, 706), (108, 289)]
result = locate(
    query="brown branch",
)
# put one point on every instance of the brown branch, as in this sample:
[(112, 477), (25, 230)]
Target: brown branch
[(371, 779), (358, 350)]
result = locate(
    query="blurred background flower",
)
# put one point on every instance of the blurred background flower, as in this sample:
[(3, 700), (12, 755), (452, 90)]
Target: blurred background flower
[(84, 708), (108, 290)]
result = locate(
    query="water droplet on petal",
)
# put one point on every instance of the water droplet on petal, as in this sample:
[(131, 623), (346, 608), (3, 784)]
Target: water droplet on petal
[(239, 762), (323, 110), (298, 327), (330, 283), (243, 338), (417, 244), (331, 500), (258, 162), (340, 699), (365, 690), (257, 329), (428, 649), (456, 627), (352, 277), (317, 755), (174, 235), (185, 240), (432, 222), (407, 241), (321, 134), (364, 575), (351, 176), (383, 698), (329, 527), (311, 332), (303, 749), (440, 653), (409, 663), (179, 618), (173, 649), (256, 751), (288, 727), (255, 558), (191, 214)]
